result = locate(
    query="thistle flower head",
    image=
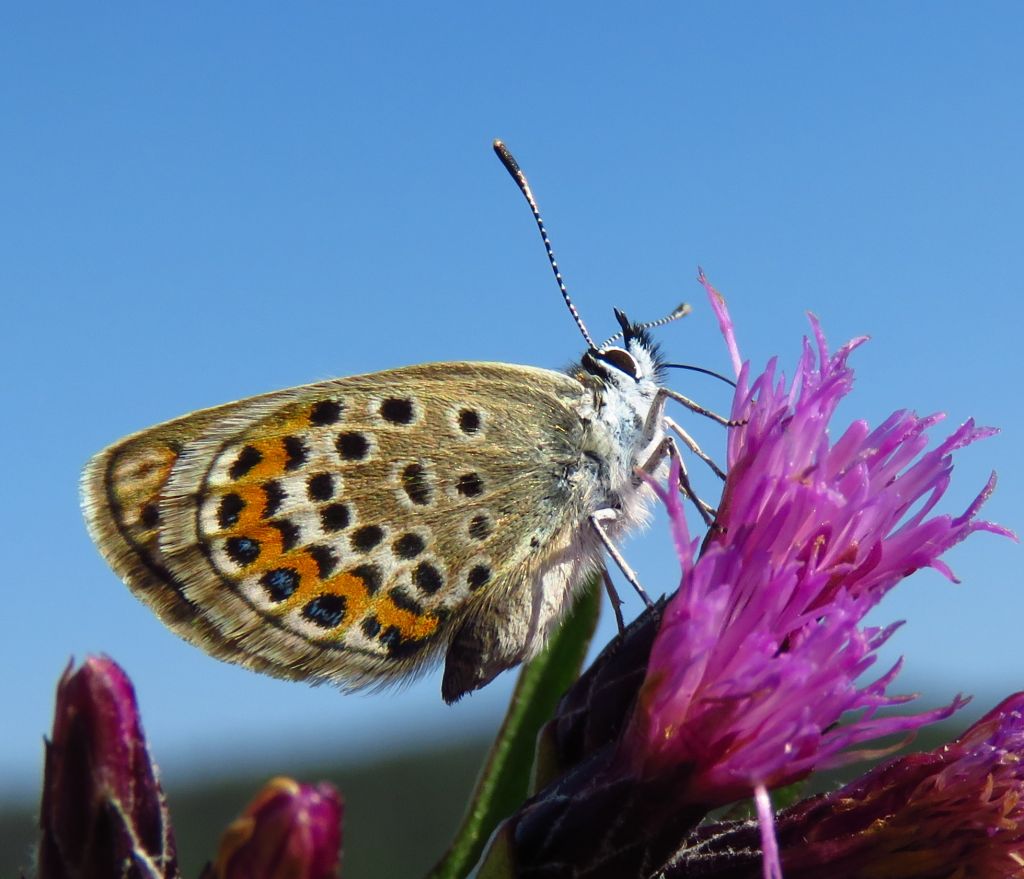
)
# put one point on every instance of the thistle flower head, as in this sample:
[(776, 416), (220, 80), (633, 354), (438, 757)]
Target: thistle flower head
[(760, 651), (751, 675)]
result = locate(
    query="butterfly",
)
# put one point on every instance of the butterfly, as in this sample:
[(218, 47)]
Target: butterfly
[(353, 530)]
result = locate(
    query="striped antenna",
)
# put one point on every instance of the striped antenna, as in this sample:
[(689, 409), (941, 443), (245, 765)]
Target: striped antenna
[(679, 311), (512, 166)]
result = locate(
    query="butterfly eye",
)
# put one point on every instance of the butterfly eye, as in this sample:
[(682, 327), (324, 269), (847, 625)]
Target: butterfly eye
[(621, 359)]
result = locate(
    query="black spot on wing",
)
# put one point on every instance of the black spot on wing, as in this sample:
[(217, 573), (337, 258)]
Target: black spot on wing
[(469, 421), (150, 516), (408, 546), (280, 583), (479, 527), (275, 495), (478, 576), (399, 647), (295, 451), (242, 550), (320, 487), (326, 560), (248, 458), (366, 538), (427, 577), (335, 517), (370, 575), (326, 611), (352, 446), (229, 509), (325, 412), (289, 533), (397, 410), (416, 484), (401, 599), (470, 485)]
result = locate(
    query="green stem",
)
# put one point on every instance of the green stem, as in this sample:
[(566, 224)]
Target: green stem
[(505, 778)]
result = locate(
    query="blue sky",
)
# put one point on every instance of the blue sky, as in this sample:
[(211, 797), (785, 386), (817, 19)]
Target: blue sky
[(203, 203)]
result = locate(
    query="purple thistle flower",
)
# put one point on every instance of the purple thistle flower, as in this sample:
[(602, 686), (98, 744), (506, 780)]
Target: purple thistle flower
[(103, 813), (953, 812), (757, 656), (759, 651), (288, 831)]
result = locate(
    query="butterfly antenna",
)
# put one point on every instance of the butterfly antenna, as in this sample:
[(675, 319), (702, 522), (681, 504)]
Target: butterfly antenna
[(693, 368), (679, 311), (512, 166)]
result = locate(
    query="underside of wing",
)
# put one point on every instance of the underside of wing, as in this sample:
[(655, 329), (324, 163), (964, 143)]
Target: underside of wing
[(338, 531)]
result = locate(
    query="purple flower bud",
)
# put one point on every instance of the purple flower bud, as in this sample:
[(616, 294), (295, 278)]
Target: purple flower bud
[(103, 813), (288, 831)]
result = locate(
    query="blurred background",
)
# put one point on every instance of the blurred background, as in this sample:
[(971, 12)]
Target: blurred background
[(203, 203)]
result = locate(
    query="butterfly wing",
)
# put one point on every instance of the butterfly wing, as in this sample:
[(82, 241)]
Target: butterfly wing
[(342, 531)]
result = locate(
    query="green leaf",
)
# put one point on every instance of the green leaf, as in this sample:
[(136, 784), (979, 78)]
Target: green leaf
[(505, 778)]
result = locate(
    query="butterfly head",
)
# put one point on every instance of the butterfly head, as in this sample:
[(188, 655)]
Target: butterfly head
[(636, 363)]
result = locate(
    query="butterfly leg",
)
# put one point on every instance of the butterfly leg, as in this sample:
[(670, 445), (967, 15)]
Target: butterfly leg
[(691, 444), (609, 515), (657, 413), (700, 410), (613, 597), (668, 447)]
